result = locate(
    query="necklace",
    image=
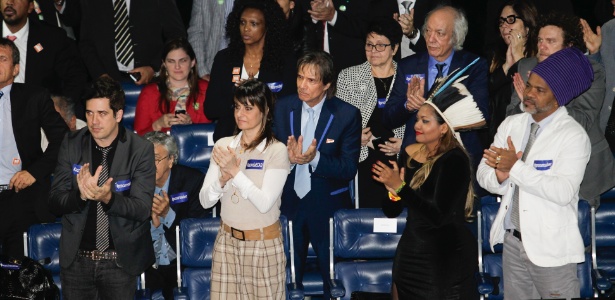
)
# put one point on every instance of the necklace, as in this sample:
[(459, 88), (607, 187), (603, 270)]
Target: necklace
[(386, 83)]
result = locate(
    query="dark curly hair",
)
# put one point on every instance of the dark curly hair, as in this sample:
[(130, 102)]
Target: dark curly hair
[(107, 87), (570, 25), (277, 43), (193, 78), (529, 15), (256, 93)]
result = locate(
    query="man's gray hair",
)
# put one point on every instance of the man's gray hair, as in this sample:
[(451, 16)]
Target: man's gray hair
[(460, 25), (66, 105), (161, 138)]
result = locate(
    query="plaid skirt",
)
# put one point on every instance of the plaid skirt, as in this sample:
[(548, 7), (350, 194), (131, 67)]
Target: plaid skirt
[(248, 269)]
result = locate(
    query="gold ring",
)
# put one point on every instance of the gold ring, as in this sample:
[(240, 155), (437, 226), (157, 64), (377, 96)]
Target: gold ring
[(518, 36), (497, 159)]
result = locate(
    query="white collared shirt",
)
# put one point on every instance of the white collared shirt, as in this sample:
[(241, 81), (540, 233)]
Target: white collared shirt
[(10, 161), (22, 44)]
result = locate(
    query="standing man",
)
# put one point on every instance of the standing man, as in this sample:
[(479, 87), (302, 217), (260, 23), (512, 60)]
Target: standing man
[(176, 198), (123, 37), (537, 162), (444, 32), (323, 136), (25, 169), (48, 58), (103, 186)]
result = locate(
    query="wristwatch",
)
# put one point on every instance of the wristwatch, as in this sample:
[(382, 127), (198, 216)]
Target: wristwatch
[(411, 36)]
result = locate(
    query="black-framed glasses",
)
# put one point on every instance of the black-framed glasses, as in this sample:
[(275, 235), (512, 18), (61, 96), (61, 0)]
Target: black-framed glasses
[(378, 47), (509, 19), (161, 159)]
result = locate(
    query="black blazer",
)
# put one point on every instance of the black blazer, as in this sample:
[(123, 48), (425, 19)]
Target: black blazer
[(31, 110), (58, 66), (70, 17), (134, 175), (219, 98), (152, 23), (188, 180)]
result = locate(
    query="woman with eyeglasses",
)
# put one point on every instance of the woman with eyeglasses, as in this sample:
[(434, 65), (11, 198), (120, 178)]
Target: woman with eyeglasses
[(178, 95), (367, 86), (517, 24)]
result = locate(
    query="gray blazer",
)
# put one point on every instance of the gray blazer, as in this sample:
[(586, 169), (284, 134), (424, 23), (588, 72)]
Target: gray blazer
[(606, 56), (133, 167), (206, 30), (356, 86), (585, 109)]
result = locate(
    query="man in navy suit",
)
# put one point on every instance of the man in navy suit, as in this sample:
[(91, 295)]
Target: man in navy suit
[(444, 33), (323, 166)]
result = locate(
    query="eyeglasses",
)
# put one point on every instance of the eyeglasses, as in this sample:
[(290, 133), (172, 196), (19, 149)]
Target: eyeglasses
[(161, 159), (379, 47), (509, 19)]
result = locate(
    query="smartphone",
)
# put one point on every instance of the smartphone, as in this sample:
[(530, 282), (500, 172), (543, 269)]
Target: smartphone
[(180, 111), (135, 76)]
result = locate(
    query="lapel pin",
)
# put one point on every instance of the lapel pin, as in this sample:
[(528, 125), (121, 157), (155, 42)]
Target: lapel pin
[(38, 47)]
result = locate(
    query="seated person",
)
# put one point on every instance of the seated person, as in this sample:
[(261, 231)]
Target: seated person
[(66, 108), (178, 96), (176, 198)]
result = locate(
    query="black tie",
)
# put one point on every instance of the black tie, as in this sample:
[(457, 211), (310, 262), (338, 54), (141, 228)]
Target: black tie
[(123, 40), (102, 221), (440, 68)]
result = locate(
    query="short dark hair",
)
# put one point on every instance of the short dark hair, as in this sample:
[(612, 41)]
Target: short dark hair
[(388, 28), (256, 93), (4, 42), (570, 25), (107, 87), (323, 63)]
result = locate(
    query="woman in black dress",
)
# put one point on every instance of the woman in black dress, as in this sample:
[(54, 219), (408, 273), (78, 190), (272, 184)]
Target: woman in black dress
[(437, 256)]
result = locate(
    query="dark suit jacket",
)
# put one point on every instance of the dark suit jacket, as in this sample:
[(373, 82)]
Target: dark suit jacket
[(58, 67), (31, 110), (396, 115), (221, 89), (338, 134), (189, 180), (70, 17), (130, 212), (152, 23)]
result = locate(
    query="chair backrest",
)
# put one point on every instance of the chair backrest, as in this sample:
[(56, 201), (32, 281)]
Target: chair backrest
[(132, 92), (605, 225), (195, 143), (44, 242)]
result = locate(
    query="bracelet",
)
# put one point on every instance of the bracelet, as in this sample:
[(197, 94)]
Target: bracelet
[(393, 197), (403, 183), (413, 33)]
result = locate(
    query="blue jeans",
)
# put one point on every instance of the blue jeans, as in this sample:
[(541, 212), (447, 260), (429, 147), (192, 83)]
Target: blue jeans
[(102, 279)]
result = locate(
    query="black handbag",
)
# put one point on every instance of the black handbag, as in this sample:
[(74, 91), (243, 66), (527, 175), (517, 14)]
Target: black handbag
[(26, 278)]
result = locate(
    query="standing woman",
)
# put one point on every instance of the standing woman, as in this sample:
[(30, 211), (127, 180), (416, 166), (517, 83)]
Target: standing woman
[(367, 86), (178, 96), (247, 173), (436, 255), (517, 24), (259, 48)]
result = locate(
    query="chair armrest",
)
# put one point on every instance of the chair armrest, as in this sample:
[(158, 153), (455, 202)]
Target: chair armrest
[(602, 280), (295, 291), (484, 282), (180, 293), (143, 294), (337, 288)]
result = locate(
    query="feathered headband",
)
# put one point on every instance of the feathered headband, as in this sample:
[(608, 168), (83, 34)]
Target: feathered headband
[(452, 100)]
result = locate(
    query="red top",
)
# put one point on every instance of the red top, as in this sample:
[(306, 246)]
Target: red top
[(148, 112)]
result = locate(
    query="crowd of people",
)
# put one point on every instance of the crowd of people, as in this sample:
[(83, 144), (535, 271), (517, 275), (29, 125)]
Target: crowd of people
[(306, 96)]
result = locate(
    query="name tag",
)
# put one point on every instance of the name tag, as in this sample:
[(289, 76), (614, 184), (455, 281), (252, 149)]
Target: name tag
[(382, 102), (76, 169), (543, 165), (409, 77), (255, 164), (179, 198), (275, 86), (122, 185)]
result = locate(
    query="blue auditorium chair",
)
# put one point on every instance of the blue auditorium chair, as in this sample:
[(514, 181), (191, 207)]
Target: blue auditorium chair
[(132, 92), (363, 258), (604, 244), (43, 245), (195, 143), (490, 279)]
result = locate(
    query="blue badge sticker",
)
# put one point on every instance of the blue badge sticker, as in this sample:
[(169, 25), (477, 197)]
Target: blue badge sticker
[(122, 185), (409, 77), (76, 169), (179, 198), (382, 102), (255, 164), (543, 165), (275, 86)]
